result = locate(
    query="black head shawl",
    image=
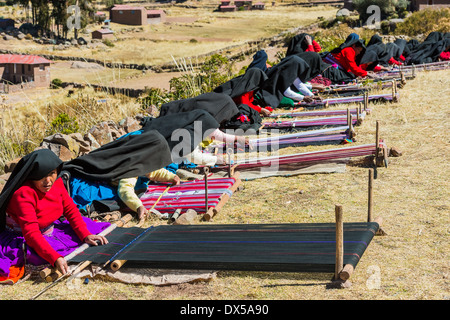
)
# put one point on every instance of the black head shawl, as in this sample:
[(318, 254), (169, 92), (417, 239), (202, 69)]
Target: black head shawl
[(34, 166), (318, 66), (352, 39), (374, 54), (412, 44), (219, 105), (281, 76), (392, 50), (376, 39), (335, 75), (429, 50), (259, 61), (129, 156), (183, 131), (402, 49), (251, 80), (315, 63), (298, 44)]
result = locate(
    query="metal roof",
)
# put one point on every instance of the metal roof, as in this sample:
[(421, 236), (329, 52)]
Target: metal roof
[(22, 59)]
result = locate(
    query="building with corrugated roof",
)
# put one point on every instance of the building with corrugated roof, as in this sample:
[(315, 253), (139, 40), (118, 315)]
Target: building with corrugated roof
[(102, 34), (18, 69)]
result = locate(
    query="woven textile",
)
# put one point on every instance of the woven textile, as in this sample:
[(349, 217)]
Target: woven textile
[(258, 247)]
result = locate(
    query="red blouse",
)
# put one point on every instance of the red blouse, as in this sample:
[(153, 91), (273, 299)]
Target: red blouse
[(346, 59), (393, 61), (247, 98), (314, 47), (444, 56), (34, 210)]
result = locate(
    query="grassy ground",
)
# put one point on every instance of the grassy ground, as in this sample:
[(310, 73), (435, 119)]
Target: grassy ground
[(411, 195)]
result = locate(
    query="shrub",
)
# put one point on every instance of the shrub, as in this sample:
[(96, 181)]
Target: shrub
[(56, 83), (425, 21), (108, 43), (63, 124), (388, 8)]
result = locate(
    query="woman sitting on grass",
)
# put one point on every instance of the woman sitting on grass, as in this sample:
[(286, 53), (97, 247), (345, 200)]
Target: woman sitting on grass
[(40, 223)]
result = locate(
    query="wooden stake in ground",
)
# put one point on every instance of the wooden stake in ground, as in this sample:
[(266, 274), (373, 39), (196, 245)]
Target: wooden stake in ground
[(370, 197), (339, 242)]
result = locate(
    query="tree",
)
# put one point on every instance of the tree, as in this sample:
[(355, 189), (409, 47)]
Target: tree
[(388, 8), (44, 13)]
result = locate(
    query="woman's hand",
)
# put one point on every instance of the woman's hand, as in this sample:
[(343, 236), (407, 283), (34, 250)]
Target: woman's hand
[(176, 181), (265, 112), (95, 240), (372, 75), (308, 99), (61, 265), (308, 40), (142, 212)]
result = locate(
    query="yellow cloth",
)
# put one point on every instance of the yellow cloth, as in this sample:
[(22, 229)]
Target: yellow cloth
[(206, 143), (126, 187)]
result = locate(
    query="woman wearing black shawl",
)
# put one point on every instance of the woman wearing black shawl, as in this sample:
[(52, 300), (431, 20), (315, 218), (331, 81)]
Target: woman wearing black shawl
[(39, 222), (242, 89), (184, 131), (128, 156), (430, 49), (259, 61), (94, 176), (403, 50), (218, 106), (291, 71), (327, 71), (302, 42), (348, 55)]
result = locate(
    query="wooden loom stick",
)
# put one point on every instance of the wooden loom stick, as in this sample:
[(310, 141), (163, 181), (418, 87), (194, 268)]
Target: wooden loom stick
[(223, 199), (377, 138), (370, 197), (206, 170), (339, 242), (348, 269), (78, 268), (366, 101), (51, 274)]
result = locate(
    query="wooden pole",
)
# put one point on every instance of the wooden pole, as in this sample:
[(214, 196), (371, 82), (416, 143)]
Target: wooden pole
[(339, 242), (346, 272), (229, 153), (223, 199), (377, 138), (206, 188), (366, 101), (370, 197), (348, 117)]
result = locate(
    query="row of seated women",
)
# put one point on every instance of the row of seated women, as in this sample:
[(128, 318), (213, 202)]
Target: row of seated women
[(41, 218)]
